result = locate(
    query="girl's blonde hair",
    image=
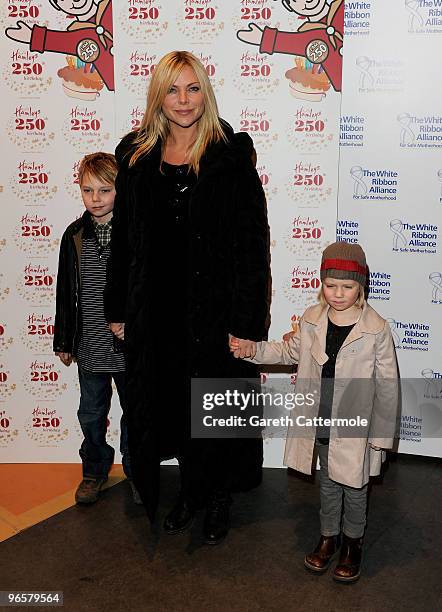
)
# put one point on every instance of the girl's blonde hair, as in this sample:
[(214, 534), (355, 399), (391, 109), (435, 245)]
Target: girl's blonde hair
[(155, 126), (359, 302), (101, 165)]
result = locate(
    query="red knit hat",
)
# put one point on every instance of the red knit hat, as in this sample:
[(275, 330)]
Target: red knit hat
[(344, 261)]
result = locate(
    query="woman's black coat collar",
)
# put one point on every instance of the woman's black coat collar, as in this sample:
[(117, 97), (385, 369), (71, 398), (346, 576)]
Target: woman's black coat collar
[(218, 157)]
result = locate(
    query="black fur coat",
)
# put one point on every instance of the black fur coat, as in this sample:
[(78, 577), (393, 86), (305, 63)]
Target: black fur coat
[(228, 289)]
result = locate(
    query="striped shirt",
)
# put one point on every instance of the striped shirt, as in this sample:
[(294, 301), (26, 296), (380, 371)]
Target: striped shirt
[(96, 346)]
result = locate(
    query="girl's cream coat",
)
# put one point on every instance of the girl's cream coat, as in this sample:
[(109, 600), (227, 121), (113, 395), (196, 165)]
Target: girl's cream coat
[(367, 353)]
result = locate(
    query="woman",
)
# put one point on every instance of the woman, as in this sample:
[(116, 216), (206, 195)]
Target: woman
[(189, 265)]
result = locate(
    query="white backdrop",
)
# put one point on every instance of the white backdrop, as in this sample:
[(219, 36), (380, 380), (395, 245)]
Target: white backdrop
[(390, 193), (55, 109)]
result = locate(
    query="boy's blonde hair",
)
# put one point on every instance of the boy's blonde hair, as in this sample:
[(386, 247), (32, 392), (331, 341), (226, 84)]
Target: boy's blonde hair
[(155, 125), (359, 302), (101, 165)]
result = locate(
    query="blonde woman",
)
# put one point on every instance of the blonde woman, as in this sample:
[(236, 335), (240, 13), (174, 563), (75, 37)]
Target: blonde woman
[(189, 266)]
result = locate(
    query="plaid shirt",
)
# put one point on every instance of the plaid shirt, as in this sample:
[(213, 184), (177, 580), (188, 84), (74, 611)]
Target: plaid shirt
[(103, 232)]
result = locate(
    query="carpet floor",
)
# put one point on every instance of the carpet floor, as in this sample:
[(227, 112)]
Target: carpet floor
[(107, 557)]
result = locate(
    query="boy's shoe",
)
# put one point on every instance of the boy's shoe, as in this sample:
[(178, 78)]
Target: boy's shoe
[(88, 490), (348, 568), (135, 495), (319, 560)]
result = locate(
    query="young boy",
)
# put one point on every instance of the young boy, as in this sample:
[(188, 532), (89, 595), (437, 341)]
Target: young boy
[(81, 331)]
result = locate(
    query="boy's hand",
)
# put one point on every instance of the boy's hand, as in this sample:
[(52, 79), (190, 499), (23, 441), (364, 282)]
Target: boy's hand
[(286, 337), (117, 329), (242, 348), (376, 448), (65, 358)]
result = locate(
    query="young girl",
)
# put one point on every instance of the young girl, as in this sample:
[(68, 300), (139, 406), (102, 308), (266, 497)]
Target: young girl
[(338, 341)]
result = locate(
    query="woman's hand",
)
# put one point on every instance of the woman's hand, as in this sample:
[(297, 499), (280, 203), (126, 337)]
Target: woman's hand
[(242, 348), (117, 329)]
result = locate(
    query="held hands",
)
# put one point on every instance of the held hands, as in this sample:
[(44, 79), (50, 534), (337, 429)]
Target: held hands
[(65, 358), (21, 33), (117, 329), (242, 348)]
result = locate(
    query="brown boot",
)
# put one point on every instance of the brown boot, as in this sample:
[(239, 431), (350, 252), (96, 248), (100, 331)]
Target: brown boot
[(348, 568), (88, 490), (319, 560)]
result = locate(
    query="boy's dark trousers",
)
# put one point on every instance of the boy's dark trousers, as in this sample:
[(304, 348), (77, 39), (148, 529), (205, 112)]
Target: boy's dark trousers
[(334, 496), (95, 398)]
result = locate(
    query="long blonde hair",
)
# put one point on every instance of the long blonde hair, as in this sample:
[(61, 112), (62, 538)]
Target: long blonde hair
[(155, 126)]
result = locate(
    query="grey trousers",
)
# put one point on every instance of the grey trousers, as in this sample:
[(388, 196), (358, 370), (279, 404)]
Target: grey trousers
[(331, 493)]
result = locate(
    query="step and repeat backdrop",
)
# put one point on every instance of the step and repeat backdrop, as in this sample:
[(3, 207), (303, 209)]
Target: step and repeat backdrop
[(74, 81), (390, 190)]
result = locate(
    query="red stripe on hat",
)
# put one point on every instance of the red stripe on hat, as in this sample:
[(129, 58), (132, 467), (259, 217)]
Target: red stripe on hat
[(343, 264)]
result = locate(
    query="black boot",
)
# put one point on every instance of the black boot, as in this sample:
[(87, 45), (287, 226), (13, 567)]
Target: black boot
[(180, 518), (217, 519)]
